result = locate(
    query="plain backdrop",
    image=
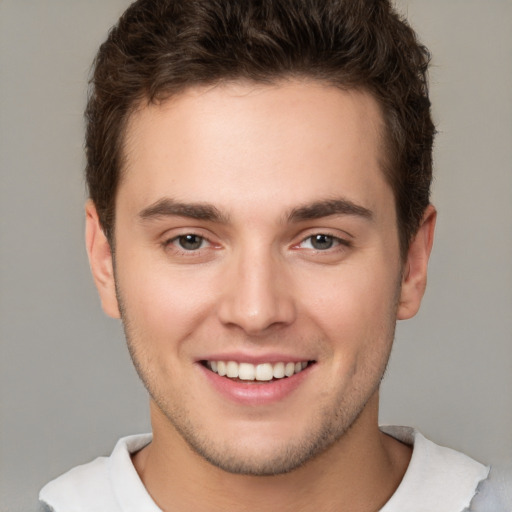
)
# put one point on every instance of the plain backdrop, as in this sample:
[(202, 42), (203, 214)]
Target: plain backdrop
[(67, 388)]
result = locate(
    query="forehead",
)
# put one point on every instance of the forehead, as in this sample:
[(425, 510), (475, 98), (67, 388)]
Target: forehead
[(244, 143)]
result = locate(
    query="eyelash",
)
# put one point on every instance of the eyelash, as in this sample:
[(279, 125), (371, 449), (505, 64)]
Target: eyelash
[(336, 242), (181, 250)]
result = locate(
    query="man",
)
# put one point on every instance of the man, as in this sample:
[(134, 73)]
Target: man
[(259, 218)]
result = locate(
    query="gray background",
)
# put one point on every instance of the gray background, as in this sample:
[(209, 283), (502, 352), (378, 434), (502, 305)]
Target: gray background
[(67, 389)]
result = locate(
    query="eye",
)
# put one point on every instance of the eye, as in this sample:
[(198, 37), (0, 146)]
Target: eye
[(189, 247), (190, 242), (321, 242)]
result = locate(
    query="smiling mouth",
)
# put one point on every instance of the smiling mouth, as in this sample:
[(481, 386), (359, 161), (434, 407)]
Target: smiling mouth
[(263, 372)]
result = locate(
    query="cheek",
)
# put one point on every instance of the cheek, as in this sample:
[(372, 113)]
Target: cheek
[(354, 305), (164, 304)]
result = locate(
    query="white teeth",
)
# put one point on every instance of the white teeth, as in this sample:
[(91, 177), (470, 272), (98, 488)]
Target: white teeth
[(261, 372), (264, 372), (231, 369), (278, 370), (221, 368), (289, 369), (246, 371)]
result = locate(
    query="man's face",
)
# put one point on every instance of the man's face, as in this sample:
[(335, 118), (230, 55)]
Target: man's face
[(255, 229)]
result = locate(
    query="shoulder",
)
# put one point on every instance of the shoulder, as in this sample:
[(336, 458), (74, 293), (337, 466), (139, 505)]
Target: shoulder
[(75, 489), (494, 494), (90, 487), (438, 478)]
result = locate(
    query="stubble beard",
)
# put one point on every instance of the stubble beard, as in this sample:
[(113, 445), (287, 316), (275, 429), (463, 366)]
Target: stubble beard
[(335, 419)]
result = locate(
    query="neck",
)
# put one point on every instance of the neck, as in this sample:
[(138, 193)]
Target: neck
[(359, 472)]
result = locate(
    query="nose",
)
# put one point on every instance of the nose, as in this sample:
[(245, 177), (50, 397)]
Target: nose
[(258, 295)]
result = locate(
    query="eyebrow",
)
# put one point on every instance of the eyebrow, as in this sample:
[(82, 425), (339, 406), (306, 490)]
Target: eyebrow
[(327, 208), (167, 207)]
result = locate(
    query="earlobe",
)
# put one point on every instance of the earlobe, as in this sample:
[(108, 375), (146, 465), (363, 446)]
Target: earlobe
[(414, 280), (100, 261)]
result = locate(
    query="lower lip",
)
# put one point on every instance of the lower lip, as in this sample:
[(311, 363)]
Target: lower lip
[(254, 392)]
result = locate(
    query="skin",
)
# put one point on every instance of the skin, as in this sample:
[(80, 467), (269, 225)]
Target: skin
[(257, 286)]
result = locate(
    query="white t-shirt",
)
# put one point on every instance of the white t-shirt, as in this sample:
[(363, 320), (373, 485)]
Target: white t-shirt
[(438, 479)]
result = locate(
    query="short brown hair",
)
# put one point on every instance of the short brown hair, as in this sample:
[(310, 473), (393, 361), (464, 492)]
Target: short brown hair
[(161, 47)]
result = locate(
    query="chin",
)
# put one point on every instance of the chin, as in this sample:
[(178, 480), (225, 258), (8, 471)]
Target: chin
[(262, 450)]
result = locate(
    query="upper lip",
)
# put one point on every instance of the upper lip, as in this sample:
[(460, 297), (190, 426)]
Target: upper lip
[(256, 358)]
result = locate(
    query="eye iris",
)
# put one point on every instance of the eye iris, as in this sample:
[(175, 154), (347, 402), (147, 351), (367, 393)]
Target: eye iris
[(322, 242), (190, 242)]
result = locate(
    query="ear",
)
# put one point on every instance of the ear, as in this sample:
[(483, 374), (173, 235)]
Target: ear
[(100, 260), (414, 280)]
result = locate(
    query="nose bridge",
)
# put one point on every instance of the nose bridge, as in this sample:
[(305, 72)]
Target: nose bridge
[(256, 293)]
